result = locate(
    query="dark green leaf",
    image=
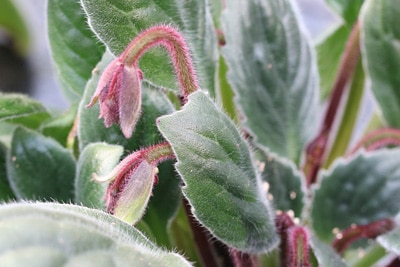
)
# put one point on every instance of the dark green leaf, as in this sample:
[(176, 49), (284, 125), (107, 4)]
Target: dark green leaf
[(273, 73), (20, 109), (40, 168), (6, 193), (67, 235), (91, 129), (284, 182), (117, 23), (357, 191), (221, 182), (74, 47), (99, 158), (380, 46)]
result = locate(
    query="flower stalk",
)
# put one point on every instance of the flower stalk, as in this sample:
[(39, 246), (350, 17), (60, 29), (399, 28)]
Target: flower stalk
[(119, 87)]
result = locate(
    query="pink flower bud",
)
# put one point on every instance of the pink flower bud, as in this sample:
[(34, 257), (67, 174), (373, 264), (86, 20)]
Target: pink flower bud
[(132, 182), (130, 188), (119, 95)]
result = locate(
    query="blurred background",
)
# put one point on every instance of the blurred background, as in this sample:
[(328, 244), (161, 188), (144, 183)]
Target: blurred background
[(30, 69)]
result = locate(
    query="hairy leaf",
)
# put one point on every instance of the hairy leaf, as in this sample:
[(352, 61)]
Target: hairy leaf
[(273, 73), (221, 182), (284, 182), (20, 109), (381, 50), (359, 191), (67, 235)]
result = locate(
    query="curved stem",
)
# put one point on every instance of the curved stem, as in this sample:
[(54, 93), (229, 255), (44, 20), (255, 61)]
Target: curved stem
[(169, 38), (377, 139)]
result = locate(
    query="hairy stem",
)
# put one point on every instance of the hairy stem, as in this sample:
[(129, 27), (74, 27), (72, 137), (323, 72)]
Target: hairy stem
[(171, 39)]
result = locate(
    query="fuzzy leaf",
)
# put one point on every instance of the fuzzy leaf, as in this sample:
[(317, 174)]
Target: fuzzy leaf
[(381, 50), (360, 191), (285, 183), (273, 73), (40, 168), (20, 109), (99, 158), (74, 47), (221, 182), (130, 17), (67, 235)]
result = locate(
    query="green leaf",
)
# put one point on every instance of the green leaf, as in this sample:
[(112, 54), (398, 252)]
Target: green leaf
[(99, 158), (346, 9), (285, 183), (221, 182), (130, 17), (20, 109), (74, 47), (381, 50), (357, 191), (273, 73), (60, 127), (12, 21), (40, 168), (6, 194), (91, 129), (67, 235), (325, 255)]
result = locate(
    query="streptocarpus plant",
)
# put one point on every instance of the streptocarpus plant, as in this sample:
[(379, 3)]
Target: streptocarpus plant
[(230, 160)]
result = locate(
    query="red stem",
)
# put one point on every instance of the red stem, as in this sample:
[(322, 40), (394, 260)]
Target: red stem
[(378, 139), (316, 149), (201, 238), (372, 230)]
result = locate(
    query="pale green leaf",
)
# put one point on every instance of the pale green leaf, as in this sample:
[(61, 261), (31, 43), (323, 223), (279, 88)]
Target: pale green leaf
[(66, 235)]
